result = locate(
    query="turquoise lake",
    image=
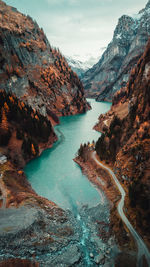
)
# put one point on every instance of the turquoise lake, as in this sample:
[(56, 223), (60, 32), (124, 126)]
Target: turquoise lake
[(55, 175)]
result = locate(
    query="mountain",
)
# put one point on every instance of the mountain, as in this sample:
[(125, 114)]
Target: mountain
[(34, 71), (126, 141), (23, 131), (113, 69), (80, 66), (36, 84)]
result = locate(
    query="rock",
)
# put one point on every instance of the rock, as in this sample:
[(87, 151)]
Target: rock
[(122, 53), (68, 257), (28, 230), (107, 251), (29, 65), (3, 159), (99, 258)]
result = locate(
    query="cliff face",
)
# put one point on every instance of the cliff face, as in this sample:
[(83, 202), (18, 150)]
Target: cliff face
[(33, 70), (126, 140), (113, 69)]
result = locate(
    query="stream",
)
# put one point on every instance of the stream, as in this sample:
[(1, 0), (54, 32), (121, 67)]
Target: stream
[(57, 177)]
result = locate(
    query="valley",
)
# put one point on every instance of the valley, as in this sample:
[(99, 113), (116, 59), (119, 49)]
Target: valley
[(74, 136)]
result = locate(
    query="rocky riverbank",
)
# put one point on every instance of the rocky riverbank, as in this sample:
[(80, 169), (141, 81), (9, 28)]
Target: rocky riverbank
[(103, 181), (35, 229), (38, 230), (32, 227)]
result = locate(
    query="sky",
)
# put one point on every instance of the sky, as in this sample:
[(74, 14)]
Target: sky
[(80, 28)]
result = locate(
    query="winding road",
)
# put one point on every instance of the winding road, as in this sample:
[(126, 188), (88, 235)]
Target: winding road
[(3, 197), (142, 248)]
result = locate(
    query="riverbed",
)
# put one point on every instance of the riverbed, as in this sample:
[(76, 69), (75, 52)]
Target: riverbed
[(57, 177)]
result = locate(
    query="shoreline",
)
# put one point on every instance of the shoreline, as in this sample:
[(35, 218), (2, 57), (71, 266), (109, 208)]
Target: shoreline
[(105, 183), (19, 180)]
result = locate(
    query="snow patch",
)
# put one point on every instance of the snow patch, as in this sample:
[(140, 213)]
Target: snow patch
[(118, 36), (84, 65)]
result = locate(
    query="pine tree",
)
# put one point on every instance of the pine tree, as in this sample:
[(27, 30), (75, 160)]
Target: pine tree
[(4, 121)]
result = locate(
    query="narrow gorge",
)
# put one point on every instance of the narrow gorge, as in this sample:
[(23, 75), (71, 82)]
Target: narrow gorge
[(74, 167)]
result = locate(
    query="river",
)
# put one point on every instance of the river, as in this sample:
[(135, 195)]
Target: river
[(57, 177), (54, 174)]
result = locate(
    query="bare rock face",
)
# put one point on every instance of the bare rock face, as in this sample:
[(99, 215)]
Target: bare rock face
[(113, 69), (33, 70)]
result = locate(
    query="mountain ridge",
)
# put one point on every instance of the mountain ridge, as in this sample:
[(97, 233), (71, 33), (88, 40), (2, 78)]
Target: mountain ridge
[(122, 53), (80, 66), (33, 70), (125, 141)]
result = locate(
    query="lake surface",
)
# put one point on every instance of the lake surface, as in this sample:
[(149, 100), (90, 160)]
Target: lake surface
[(55, 175)]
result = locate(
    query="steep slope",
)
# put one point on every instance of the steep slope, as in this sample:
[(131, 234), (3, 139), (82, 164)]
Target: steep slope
[(23, 131), (33, 70), (34, 80), (27, 219), (128, 43), (126, 141)]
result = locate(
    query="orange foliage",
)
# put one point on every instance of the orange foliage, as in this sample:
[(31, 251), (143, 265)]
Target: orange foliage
[(4, 122), (11, 99), (22, 104), (20, 172), (33, 150), (6, 108), (36, 117)]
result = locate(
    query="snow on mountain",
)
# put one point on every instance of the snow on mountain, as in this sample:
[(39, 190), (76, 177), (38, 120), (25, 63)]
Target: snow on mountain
[(81, 64), (112, 71)]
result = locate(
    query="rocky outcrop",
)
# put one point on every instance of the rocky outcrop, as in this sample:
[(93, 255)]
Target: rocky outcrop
[(126, 141), (33, 228), (33, 70), (113, 69)]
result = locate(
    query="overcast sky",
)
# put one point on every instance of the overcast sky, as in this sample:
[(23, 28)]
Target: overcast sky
[(78, 27)]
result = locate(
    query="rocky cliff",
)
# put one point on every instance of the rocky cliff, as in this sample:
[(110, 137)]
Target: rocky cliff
[(33, 70), (126, 141), (128, 43)]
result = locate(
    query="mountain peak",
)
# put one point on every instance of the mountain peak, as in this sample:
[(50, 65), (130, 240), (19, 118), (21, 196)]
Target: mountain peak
[(124, 28), (122, 53), (147, 5)]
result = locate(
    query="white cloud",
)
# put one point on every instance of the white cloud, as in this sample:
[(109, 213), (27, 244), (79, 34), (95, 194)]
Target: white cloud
[(78, 26)]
